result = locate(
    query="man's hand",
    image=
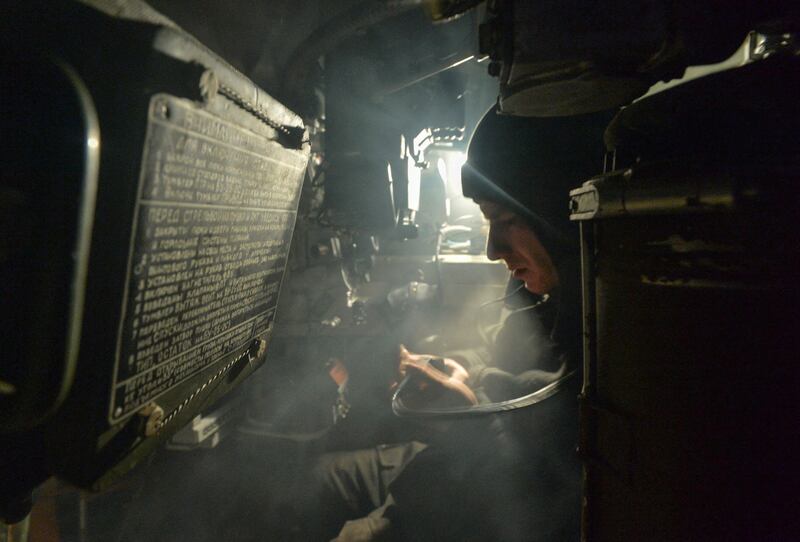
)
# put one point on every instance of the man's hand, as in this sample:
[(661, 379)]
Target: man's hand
[(429, 381), (453, 369)]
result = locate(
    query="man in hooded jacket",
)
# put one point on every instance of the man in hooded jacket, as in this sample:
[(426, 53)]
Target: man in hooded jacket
[(514, 475)]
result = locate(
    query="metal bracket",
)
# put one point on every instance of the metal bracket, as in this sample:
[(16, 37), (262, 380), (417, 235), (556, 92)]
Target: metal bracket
[(662, 191)]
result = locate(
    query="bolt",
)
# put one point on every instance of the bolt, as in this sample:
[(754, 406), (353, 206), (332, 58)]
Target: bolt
[(162, 109), (209, 85)]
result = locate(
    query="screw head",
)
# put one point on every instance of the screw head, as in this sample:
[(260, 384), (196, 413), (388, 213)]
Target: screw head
[(209, 85), (162, 110)]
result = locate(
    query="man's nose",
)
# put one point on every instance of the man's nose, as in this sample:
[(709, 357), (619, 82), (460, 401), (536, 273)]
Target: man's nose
[(496, 245)]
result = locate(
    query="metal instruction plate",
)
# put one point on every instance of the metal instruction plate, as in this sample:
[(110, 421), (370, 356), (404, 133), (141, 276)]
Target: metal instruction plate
[(213, 222)]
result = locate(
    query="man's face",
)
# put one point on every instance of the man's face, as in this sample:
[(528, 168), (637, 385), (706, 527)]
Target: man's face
[(511, 240)]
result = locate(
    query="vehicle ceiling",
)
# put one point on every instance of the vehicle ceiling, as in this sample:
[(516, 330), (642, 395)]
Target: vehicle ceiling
[(258, 37)]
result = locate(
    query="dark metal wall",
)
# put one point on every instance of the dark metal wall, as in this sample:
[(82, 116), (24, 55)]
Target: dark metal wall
[(689, 402)]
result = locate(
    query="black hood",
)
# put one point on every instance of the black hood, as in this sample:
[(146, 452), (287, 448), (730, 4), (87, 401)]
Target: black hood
[(531, 164)]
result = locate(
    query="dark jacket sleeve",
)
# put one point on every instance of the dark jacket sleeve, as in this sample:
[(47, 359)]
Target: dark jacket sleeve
[(518, 356), (499, 385)]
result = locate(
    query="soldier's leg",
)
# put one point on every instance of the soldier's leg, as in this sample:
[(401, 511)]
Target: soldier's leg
[(353, 484)]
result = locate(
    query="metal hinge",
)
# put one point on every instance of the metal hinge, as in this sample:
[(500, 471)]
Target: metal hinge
[(289, 136)]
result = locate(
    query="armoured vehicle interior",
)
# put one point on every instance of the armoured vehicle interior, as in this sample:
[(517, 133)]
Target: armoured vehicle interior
[(219, 219)]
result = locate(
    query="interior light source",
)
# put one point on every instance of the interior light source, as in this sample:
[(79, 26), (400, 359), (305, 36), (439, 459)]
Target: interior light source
[(454, 162), (441, 167)]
